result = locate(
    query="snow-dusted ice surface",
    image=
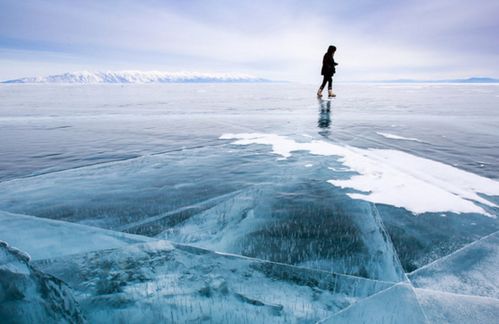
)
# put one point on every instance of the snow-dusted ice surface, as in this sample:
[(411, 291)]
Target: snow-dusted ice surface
[(442, 307), (254, 202), (470, 270)]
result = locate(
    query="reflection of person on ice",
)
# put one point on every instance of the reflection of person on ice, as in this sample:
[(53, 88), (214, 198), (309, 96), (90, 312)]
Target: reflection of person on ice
[(328, 70)]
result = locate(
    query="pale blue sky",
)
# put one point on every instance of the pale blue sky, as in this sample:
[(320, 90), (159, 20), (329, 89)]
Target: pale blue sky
[(273, 39)]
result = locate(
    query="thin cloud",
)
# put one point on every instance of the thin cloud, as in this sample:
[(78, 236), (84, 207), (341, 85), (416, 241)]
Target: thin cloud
[(283, 39)]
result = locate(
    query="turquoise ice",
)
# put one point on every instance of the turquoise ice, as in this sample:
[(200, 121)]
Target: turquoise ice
[(254, 202)]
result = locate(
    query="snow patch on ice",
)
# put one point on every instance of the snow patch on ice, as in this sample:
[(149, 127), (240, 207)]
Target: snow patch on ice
[(398, 137), (392, 177)]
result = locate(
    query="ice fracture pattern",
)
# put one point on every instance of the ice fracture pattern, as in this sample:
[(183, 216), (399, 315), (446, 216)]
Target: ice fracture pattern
[(139, 204)]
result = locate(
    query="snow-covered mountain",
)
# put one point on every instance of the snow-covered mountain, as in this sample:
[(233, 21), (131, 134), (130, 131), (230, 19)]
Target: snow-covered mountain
[(139, 77)]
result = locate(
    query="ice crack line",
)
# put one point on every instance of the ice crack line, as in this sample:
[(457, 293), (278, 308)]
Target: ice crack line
[(116, 161), (239, 256), (389, 241), (176, 211)]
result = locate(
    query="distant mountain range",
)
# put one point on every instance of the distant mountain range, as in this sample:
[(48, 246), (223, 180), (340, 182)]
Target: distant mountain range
[(85, 77), (468, 80)]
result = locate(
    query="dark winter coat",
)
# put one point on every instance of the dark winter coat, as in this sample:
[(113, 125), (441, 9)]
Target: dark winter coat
[(328, 65)]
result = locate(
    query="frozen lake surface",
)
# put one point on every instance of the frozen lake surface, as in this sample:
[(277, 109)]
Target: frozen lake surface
[(253, 202)]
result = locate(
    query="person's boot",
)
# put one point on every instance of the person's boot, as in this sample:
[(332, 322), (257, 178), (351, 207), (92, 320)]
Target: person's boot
[(319, 93), (330, 93)]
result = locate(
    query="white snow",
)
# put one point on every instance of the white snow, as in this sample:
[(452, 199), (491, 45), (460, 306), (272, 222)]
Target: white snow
[(398, 137), (138, 77), (392, 177)]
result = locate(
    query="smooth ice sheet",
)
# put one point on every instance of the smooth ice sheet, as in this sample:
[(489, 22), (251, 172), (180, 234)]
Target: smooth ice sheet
[(148, 160), (44, 238), (272, 223), (394, 305)]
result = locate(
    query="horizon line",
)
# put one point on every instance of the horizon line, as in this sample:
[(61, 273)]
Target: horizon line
[(213, 77)]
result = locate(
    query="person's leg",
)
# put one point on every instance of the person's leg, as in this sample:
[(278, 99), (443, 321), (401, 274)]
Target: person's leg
[(330, 87), (324, 81)]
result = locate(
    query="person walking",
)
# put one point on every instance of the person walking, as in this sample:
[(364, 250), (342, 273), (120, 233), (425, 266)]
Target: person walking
[(328, 70)]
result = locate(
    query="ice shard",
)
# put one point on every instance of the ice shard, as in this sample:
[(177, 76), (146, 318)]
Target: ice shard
[(161, 281), (28, 295)]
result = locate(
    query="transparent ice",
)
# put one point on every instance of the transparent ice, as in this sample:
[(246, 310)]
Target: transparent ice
[(255, 202)]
